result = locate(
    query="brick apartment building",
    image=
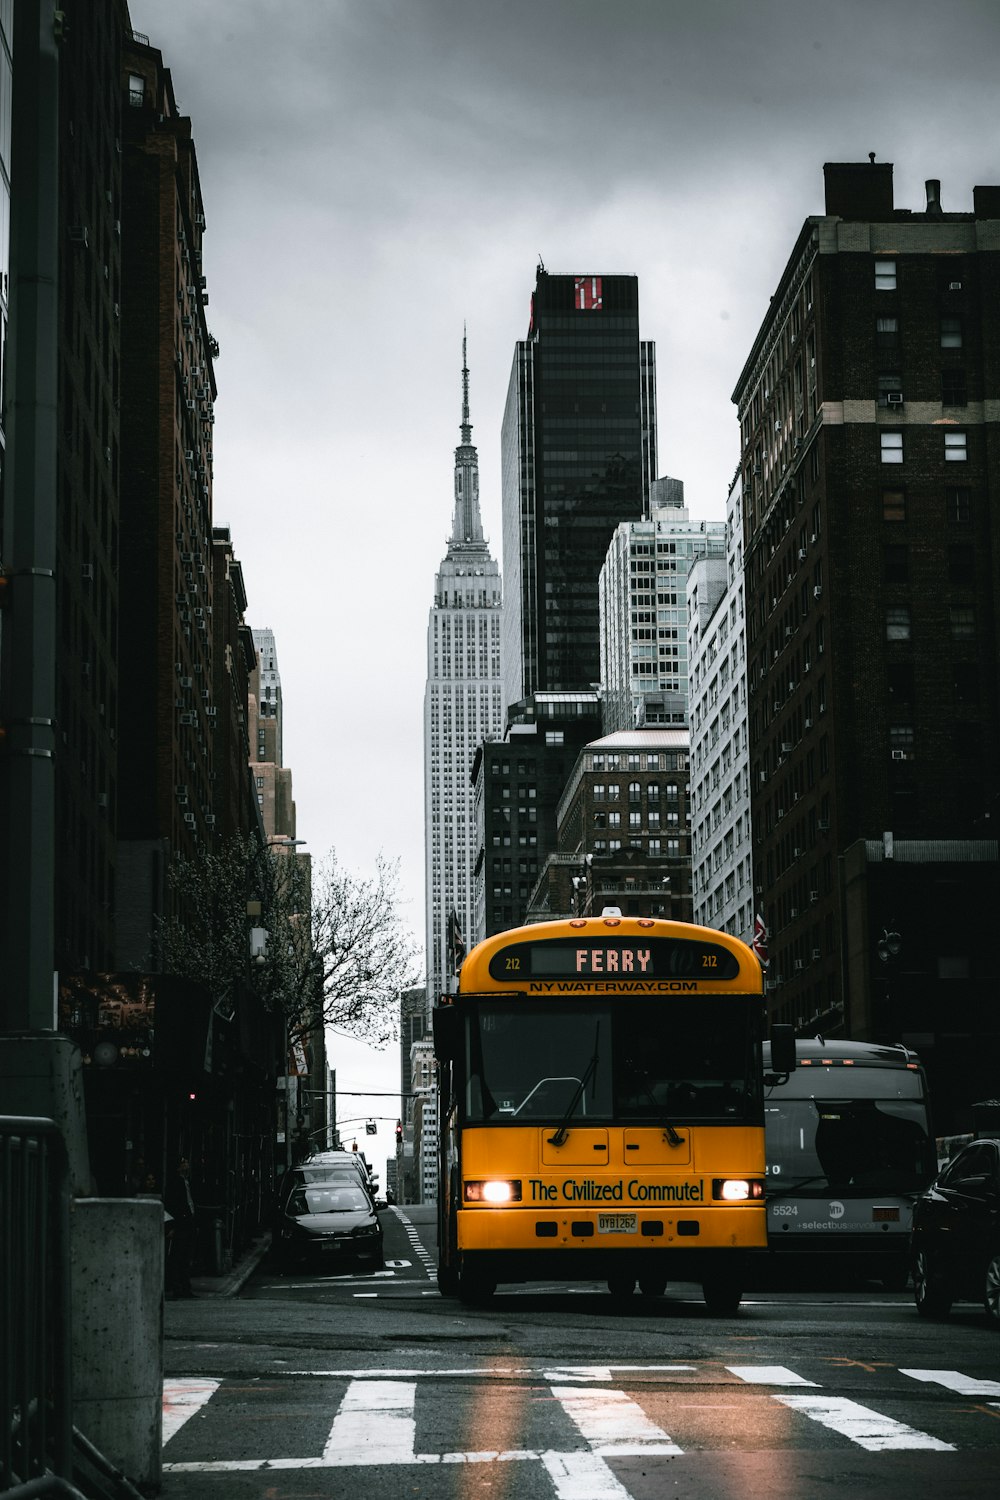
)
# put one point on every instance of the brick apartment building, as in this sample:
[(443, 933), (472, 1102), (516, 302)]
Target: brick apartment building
[(869, 466)]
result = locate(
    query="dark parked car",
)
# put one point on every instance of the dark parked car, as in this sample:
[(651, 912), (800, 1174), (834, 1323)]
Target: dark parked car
[(956, 1235), (331, 1224)]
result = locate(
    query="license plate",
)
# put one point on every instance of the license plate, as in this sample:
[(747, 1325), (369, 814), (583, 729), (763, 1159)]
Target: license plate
[(617, 1223), (330, 1245)]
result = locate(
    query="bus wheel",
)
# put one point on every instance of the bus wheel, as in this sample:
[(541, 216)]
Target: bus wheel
[(930, 1293), (895, 1276), (722, 1296), (475, 1289), (447, 1278), (621, 1287), (652, 1286)]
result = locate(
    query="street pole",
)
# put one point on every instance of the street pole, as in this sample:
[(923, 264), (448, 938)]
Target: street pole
[(40, 1072)]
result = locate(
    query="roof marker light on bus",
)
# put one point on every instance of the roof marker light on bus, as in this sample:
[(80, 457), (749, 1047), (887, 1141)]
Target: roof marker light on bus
[(645, 922), (578, 922), (612, 921)]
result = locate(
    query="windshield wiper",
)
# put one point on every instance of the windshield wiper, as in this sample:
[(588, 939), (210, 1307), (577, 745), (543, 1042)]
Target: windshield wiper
[(563, 1129)]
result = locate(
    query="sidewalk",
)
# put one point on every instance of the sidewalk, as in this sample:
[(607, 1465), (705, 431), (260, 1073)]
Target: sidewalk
[(229, 1284)]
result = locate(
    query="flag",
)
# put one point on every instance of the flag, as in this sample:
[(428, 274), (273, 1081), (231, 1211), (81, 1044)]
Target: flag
[(759, 942), (456, 943)]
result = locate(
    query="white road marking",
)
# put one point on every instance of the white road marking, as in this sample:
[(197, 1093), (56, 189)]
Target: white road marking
[(867, 1428), (768, 1375), (607, 1372), (954, 1380), (181, 1399), (612, 1422), (375, 1424)]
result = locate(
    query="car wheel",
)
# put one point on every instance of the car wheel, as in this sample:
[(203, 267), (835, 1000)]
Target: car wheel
[(621, 1287), (652, 1286), (930, 1292), (722, 1296), (991, 1291)]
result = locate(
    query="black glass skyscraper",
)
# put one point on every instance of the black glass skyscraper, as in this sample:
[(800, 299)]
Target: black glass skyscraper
[(579, 451)]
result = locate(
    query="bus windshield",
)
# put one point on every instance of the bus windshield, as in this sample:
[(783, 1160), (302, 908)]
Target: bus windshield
[(626, 1060), (852, 1147)]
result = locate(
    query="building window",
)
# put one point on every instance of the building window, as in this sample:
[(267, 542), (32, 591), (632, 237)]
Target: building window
[(635, 819), (895, 564), (887, 333), (890, 390), (634, 791), (963, 622), (614, 819), (955, 447), (901, 741), (897, 623), (599, 791), (891, 445), (554, 737), (654, 847), (953, 391), (961, 565), (885, 275), (894, 505), (951, 333), (958, 503)]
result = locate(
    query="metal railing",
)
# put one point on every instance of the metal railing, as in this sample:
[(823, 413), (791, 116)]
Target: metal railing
[(36, 1417)]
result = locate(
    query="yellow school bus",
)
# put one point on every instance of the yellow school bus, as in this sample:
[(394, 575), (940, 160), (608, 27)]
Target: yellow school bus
[(601, 1111)]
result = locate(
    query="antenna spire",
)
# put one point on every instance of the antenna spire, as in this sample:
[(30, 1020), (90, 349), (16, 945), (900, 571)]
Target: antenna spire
[(466, 424)]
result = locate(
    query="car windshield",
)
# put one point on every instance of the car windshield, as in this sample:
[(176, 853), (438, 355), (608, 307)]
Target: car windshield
[(633, 1060), (328, 1198)]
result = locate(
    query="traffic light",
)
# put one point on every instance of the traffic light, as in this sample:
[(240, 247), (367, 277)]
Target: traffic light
[(399, 1132)]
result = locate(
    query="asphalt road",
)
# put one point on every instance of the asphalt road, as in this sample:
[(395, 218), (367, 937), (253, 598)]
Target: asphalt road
[(317, 1384)]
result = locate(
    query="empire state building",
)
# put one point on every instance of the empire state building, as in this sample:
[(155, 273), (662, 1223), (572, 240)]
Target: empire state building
[(462, 708)]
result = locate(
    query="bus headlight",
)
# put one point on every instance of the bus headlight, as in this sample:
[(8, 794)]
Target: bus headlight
[(737, 1189), (505, 1190)]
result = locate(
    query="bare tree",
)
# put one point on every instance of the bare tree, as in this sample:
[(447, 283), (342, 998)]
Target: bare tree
[(335, 952)]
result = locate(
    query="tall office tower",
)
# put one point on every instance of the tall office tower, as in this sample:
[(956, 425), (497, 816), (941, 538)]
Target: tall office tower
[(167, 773), (269, 691), (644, 652), (462, 708), (721, 846), (272, 780), (869, 436), (234, 659), (578, 455)]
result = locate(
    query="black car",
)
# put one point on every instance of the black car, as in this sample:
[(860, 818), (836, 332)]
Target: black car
[(956, 1235), (312, 1172), (330, 1224)]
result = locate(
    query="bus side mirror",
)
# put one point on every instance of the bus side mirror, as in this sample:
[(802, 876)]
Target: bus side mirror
[(447, 1032), (782, 1048)]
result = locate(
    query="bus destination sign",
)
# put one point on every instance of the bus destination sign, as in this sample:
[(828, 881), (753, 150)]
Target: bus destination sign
[(614, 958)]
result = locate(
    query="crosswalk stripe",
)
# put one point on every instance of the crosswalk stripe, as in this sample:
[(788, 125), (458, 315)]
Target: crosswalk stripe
[(375, 1424), (582, 1476), (612, 1422), (768, 1375), (867, 1428), (954, 1380), (181, 1399)]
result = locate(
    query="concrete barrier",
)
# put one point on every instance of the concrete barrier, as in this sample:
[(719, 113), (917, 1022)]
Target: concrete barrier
[(117, 1302)]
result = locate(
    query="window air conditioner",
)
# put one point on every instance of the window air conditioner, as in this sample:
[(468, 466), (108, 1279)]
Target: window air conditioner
[(796, 853), (824, 824), (818, 591), (802, 554), (815, 954), (786, 747), (954, 286), (808, 723), (800, 963), (814, 897), (899, 755), (189, 819), (893, 398)]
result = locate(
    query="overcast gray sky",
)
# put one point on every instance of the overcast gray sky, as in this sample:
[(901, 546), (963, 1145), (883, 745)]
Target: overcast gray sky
[(376, 172)]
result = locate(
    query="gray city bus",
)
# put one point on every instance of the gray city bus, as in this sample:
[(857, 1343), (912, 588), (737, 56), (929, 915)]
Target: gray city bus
[(849, 1145)]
